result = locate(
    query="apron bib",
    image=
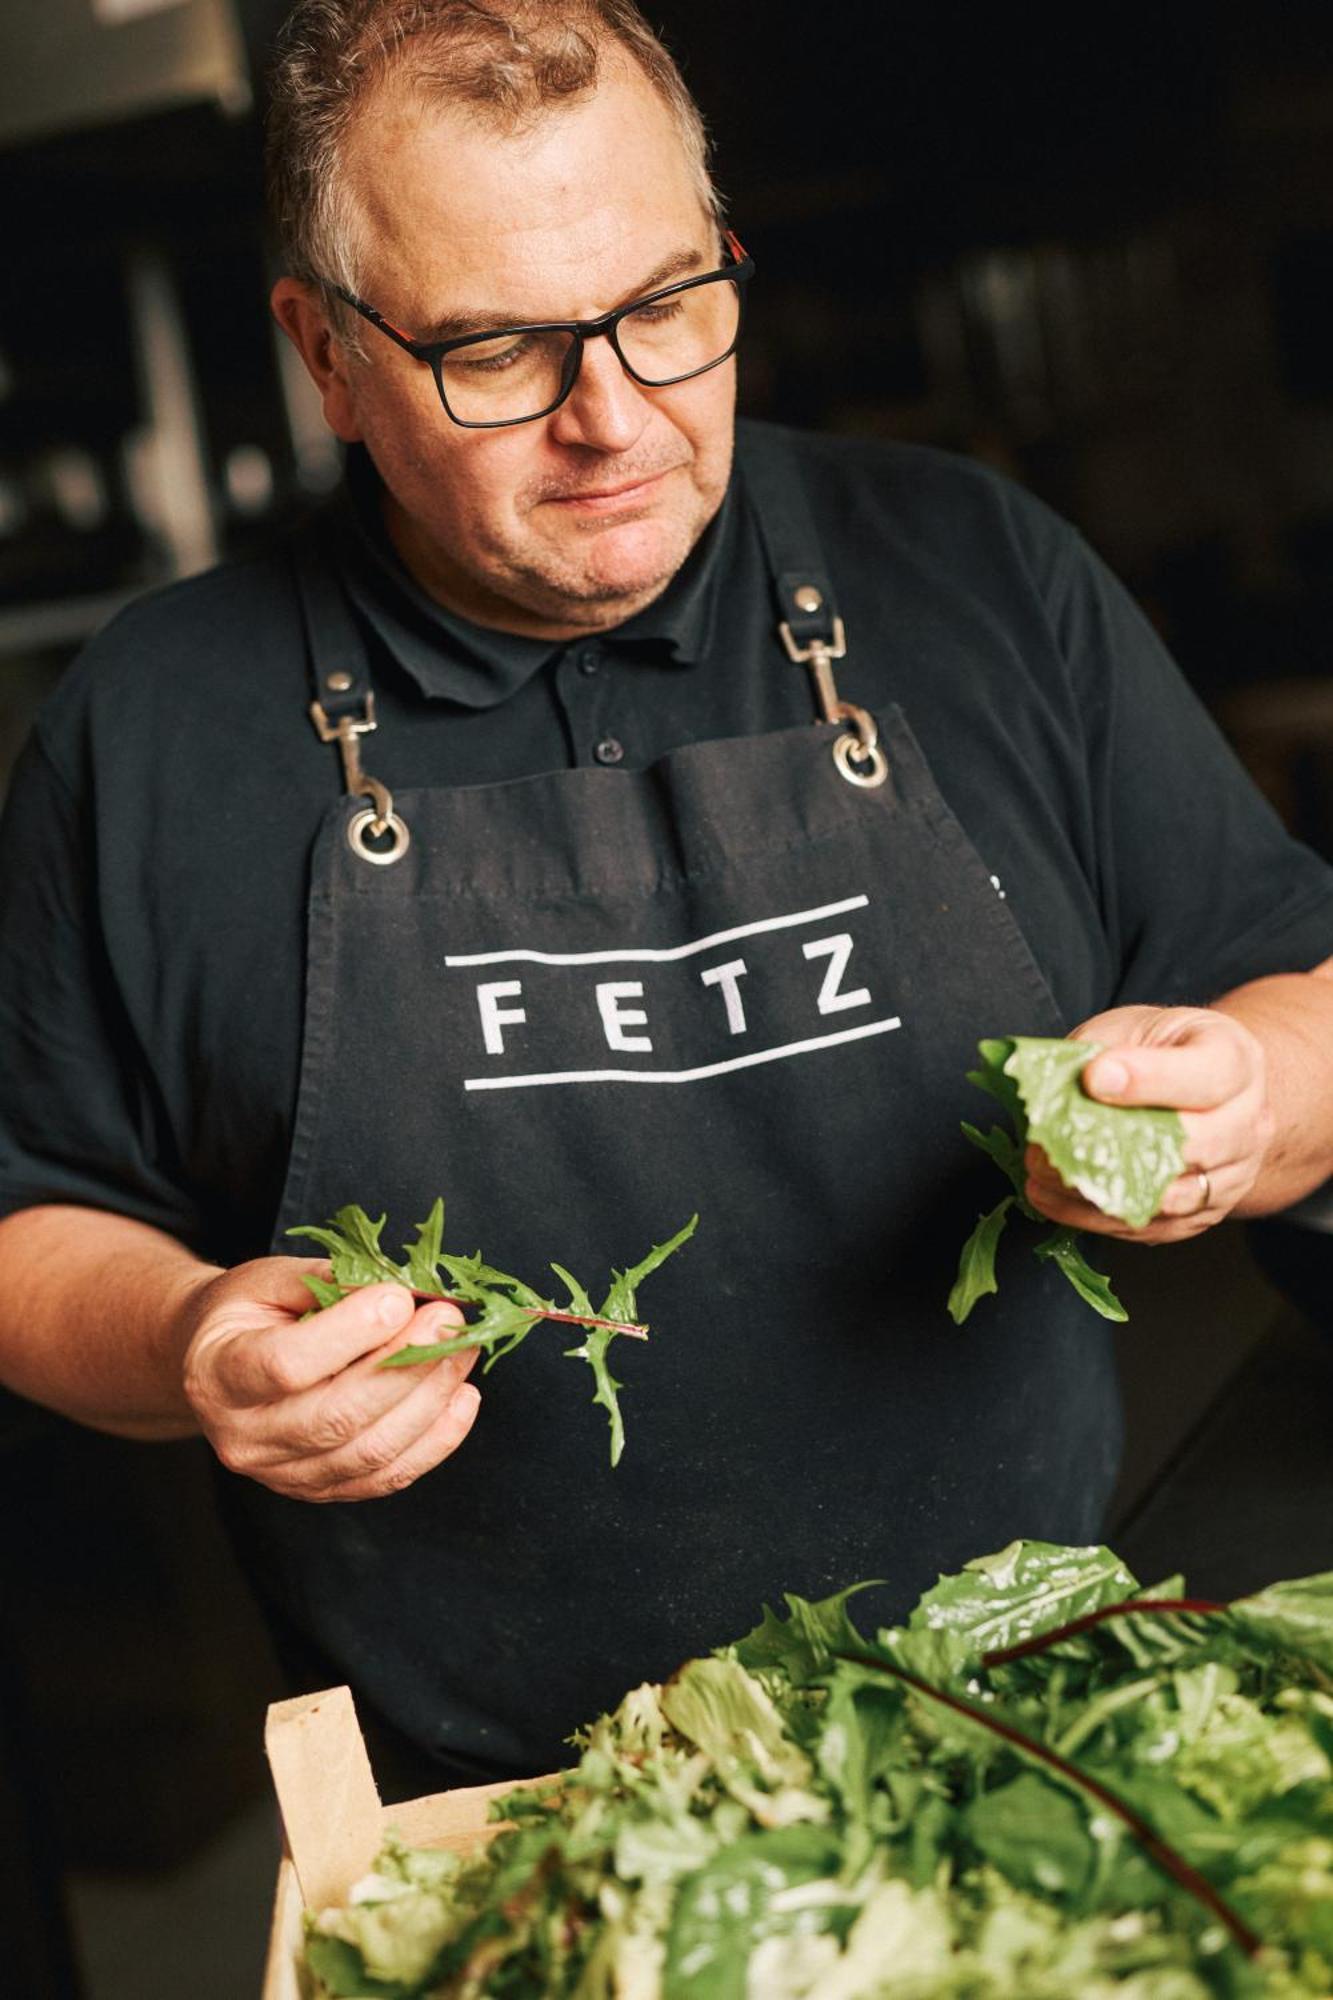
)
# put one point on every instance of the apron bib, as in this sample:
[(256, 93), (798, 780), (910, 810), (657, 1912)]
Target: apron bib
[(582, 1006)]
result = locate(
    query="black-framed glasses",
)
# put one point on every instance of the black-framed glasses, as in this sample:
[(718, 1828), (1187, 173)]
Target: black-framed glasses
[(515, 374)]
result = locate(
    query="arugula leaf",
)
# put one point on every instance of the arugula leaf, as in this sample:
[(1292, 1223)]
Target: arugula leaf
[(423, 1256), (976, 1265), (353, 1243), (505, 1308), (620, 1304), (1004, 1149), (621, 1301), (1121, 1158), (1061, 1247), (802, 1644), (592, 1349)]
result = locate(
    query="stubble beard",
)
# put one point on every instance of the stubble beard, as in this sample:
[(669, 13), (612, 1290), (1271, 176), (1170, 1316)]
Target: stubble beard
[(564, 584)]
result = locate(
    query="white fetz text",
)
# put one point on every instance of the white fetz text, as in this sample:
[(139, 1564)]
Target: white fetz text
[(757, 992)]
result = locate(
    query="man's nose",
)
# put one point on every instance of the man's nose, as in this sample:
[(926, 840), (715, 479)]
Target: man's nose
[(606, 408)]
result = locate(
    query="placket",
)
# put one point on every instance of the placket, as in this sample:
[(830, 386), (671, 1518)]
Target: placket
[(589, 688)]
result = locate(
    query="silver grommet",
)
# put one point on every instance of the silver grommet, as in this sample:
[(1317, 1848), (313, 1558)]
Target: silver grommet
[(807, 598), (363, 823), (859, 763)]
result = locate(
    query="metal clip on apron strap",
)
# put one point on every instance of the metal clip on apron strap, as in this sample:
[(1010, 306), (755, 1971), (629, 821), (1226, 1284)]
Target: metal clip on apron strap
[(808, 622), (343, 707)]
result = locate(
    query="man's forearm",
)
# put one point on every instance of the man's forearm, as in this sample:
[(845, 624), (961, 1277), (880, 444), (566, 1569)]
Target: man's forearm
[(1292, 1016), (91, 1320)]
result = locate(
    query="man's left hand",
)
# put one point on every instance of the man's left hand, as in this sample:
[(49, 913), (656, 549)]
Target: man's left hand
[(1204, 1064)]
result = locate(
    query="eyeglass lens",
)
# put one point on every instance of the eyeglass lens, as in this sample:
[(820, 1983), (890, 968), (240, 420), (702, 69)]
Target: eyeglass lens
[(520, 375)]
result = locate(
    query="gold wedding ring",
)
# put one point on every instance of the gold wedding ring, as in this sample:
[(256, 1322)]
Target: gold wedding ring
[(1205, 1191)]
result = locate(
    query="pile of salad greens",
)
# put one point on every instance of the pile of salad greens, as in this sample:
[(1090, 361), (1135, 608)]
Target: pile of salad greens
[(503, 1310), (1046, 1784), (1121, 1157)]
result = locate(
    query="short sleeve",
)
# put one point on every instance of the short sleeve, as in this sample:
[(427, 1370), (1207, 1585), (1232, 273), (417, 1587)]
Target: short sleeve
[(78, 1120), (1201, 886)]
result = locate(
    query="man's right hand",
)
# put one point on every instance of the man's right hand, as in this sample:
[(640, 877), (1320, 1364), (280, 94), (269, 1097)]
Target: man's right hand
[(301, 1405)]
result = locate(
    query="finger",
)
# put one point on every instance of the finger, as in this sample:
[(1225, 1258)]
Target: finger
[(379, 1472), (1200, 1191), (1197, 1074), (264, 1364), (339, 1437), (336, 1412), (1070, 1211)]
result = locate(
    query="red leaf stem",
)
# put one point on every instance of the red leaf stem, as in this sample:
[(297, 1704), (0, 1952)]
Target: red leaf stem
[(1201, 1606), (1166, 1857), (629, 1326)]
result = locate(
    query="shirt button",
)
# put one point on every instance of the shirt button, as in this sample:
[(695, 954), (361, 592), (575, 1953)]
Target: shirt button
[(609, 751), (589, 661)]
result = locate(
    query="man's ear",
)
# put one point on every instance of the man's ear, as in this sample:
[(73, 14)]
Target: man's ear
[(303, 317)]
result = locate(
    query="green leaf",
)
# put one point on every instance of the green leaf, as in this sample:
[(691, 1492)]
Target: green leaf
[(621, 1302), (1027, 1588), (1061, 1248), (499, 1330), (323, 1290), (1291, 1618), (976, 1265), (579, 1301), (1119, 1157), (593, 1351), (727, 1909), (802, 1644), (471, 1278), (861, 1740), (724, 1710), (353, 1243), (1034, 1834), (506, 1309), (338, 1965), (423, 1256), (993, 1078), (1004, 1149)]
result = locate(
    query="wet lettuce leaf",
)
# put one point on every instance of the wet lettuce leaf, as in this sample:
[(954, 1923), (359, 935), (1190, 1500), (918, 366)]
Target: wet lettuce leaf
[(1119, 1157)]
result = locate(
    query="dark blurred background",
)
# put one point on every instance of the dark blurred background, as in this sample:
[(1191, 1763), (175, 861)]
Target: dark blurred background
[(1097, 254)]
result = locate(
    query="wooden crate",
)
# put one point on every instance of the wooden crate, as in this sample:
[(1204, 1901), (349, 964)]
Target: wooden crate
[(334, 1823)]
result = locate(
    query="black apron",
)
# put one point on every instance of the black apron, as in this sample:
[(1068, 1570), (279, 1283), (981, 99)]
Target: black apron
[(582, 1006)]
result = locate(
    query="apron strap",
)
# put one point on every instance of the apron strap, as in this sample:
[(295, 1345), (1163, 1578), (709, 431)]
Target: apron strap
[(342, 706), (803, 593), (808, 623), (335, 654)]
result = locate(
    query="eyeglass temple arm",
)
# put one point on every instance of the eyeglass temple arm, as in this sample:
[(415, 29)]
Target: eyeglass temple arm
[(404, 340)]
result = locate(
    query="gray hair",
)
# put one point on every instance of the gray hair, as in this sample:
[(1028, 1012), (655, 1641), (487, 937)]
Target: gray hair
[(513, 58)]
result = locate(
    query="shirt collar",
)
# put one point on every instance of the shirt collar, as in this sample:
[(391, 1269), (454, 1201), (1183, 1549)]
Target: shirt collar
[(477, 666)]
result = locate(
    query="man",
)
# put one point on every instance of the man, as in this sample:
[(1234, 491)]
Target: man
[(605, 931)]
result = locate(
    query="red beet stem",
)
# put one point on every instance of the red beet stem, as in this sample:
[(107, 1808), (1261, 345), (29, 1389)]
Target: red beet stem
[(629, 1326), (1201, 1607), (1166, 1857)]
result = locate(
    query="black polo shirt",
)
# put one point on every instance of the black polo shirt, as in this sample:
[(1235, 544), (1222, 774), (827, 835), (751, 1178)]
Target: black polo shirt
[(154, 850)]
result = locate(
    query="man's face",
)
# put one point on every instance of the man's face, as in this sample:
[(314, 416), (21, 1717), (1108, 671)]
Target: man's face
[(572, 522)]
